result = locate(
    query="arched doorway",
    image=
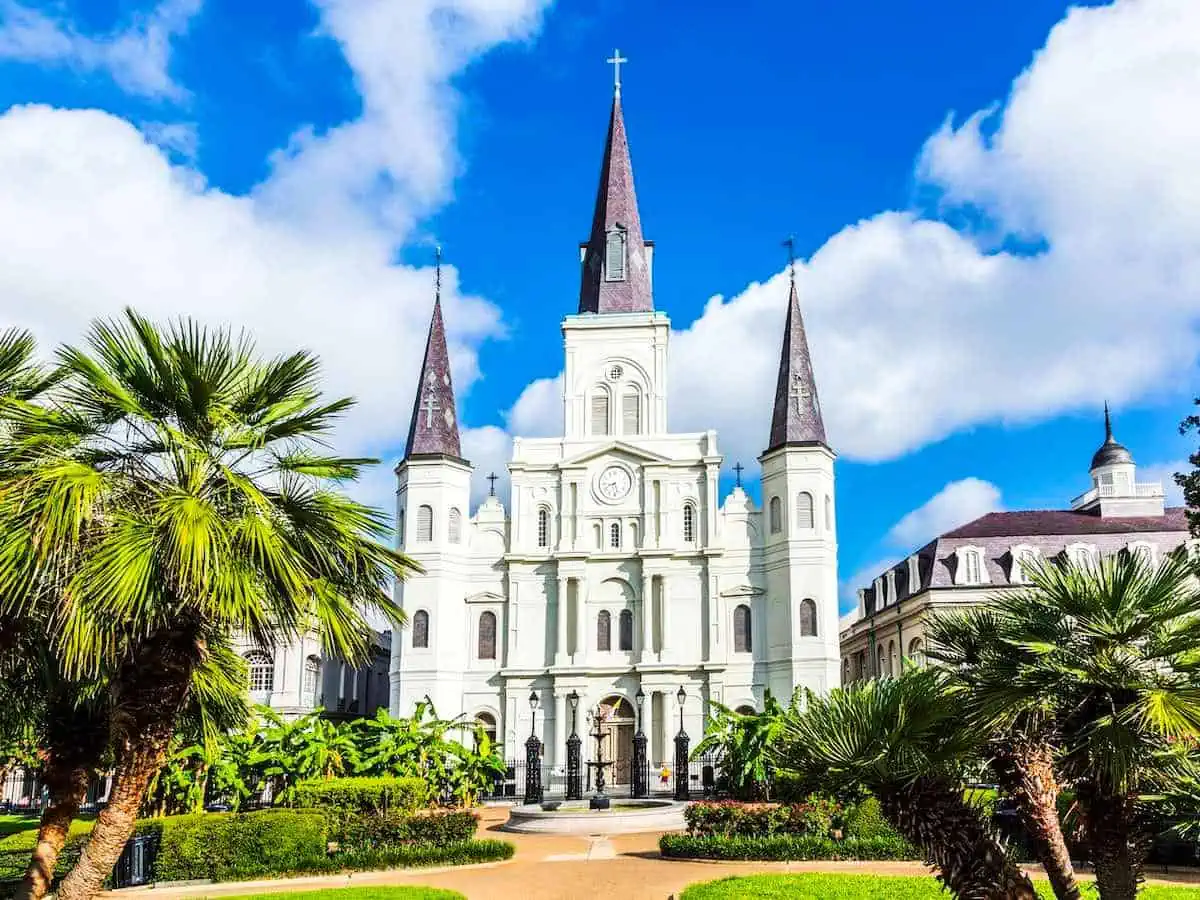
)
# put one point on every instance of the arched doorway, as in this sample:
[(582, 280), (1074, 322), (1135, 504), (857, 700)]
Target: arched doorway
[(619, 723)]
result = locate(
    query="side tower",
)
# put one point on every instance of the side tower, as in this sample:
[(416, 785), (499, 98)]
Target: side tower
[(433, 493), (800, 540)]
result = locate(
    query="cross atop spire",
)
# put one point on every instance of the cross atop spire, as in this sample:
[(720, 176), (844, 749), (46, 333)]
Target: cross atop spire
[(797, 415), (615, 61), (433, 430), (616, 259)]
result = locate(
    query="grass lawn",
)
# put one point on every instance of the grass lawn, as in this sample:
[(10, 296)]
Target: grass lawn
[(367, 893), (867, 887), (20, 832), (13, 824)]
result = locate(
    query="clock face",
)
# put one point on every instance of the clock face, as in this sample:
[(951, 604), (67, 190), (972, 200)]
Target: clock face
[(614, 483)]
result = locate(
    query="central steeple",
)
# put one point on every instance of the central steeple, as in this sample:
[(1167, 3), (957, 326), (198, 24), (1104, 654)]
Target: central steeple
[(616, 259)]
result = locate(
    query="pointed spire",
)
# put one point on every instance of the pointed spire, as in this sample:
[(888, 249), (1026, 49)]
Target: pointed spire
[(1108, 435), (616, 271), (797, 415), (1110, 452), (434, 427)]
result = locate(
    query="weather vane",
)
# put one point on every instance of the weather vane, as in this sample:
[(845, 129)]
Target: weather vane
[(616, 61), (437, 260), (790, 243)]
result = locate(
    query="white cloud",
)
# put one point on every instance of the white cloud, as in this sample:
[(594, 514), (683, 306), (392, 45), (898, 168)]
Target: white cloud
[(861, 578), (489, 449), (1165, 472), (136, 56), (958, 503), (919, 330)]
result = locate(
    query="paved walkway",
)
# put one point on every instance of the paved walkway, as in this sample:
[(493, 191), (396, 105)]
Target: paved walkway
[(552, 867)]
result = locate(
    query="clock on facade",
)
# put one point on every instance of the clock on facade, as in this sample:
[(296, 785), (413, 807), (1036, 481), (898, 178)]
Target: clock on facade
[(613, 483)]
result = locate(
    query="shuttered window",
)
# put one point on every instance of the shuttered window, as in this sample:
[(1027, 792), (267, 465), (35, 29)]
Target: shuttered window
[(804, 510), (625, 630), (631, 412), (487, 635), (600, 412), (689, 523), (425, 523), (421, 629), (614, 255), (742, 641), (776, 516), (455, 526), (543, 527), (604, 631), (808, 618)]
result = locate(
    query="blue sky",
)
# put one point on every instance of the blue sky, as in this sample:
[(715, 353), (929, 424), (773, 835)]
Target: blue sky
[(994, 202)]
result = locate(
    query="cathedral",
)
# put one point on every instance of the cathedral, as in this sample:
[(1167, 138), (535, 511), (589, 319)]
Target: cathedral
[(618, 574)]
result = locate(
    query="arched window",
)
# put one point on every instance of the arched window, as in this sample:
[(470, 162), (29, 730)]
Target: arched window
[(633, 538), (625, 630), (742, 640), (776, 516), (804, 510), (893, 666), (425, 523), (262, 672), (745, 710), (614, 254), (879, 661), (420, 630), (689, 523), (598, 533), (614, 535), (828, 513), (631, 411), (846, 671), (487, 635), (916, 652), (808, 618), (600, 410), (400, 527), (487, 722), (972, 567), (543, 527), (604, 631), (312, 680), (455, 530)]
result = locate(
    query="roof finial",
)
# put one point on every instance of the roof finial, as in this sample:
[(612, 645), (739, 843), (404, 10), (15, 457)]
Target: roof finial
[(790, 243), (1108, 435), (615, 62), (437, 260)]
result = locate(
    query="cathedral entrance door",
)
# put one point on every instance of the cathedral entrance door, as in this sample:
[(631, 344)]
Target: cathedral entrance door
[(618, 739)]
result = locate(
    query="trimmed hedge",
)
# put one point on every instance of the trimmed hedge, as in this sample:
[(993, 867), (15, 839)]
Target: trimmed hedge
[(813, 816), (368, 796), (425, 855), (777, 847), (232, 846)]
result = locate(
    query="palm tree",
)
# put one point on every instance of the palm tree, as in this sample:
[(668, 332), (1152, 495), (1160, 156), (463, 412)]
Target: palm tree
[(982, 663), (744, 742), (904, 740), (1115, 647), (180, 489)]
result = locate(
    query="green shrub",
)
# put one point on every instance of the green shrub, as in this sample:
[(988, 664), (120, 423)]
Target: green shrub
[(225, 846), (360, 812), (423, 855), (813, 816), (865, 820), (782, 847), (440, 828)]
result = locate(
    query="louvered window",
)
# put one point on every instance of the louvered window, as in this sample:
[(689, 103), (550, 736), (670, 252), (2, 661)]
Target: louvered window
[(625, 630), (421, 629), (631, 412), (455, 526), (600, 412), (604, 631), (808, 618), (971, 571), (614, 255), (543, 527), (804, 510), (425, 523), (776, 516), (742, 641), (689, 523), (487, 635)]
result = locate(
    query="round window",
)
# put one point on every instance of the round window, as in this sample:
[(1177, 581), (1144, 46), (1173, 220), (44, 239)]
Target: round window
[(615, 373)]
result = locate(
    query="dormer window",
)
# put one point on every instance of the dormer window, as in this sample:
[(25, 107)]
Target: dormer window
[(914, 574), (1145, 551), (971, 569), (1024, 558), (1083, 556), (614, 254)]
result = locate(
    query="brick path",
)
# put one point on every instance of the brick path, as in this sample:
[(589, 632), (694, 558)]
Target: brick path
[(552, 867)]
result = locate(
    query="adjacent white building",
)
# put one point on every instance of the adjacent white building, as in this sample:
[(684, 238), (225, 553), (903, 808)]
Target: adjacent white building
[(618, 566)]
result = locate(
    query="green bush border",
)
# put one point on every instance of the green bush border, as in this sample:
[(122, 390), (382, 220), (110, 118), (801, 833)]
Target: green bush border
[(779, 847)]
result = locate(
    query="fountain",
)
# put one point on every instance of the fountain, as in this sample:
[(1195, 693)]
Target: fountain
[(600, 799)]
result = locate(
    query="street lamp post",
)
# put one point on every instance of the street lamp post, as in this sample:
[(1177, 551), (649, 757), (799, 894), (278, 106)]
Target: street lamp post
[(681, 751), (533, 755), (641, 765), (574, 765)]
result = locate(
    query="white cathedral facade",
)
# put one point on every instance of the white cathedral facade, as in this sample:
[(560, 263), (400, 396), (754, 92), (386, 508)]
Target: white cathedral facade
[(618, 567)]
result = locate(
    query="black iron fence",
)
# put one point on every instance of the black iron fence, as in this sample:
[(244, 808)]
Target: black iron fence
[(703, 778)]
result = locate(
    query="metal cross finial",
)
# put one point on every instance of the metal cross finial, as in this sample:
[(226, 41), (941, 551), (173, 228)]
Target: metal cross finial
[(790, 243), (739, 469), (492, 487), (437, 257), (615, 62)]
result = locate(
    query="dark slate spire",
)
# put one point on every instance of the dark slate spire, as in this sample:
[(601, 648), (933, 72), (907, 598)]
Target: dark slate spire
[(616, 222), (434, 428), (797, 416), (1110, 452)]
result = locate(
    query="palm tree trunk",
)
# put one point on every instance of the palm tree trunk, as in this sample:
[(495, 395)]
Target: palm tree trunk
[(1026, 773), (932, 814), (68, 789), (1117, 855)]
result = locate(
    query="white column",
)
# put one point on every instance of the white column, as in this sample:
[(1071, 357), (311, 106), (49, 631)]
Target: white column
[(646, 638), (648, 724), (580, 605), (558, 752), (714, 635), (560, 611), (666, 618)]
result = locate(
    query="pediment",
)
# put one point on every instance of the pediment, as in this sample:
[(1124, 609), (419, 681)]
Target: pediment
[(616, 448), (484, 597), (743, 590)]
